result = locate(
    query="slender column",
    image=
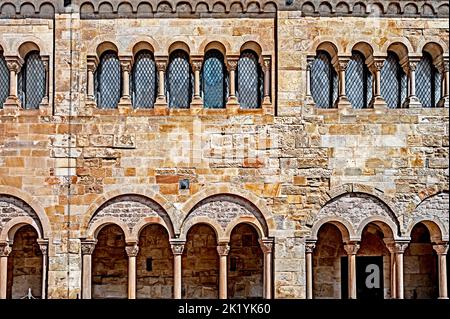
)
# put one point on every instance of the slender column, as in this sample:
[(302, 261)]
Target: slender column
[(161, 65), (43, 245), (5, 250), (342, 101), (444, 101), (377, 100), (441, 250), (223, 249), (232, 63), (412, 101), (87, 249), (400, 248), (267, 247), (14, 65), (266, 66), (46, 63), (391, 247), (309, 248), (177, 250), (92, 62), (196, 67), (132, 252), (125, 65), (351, 249)]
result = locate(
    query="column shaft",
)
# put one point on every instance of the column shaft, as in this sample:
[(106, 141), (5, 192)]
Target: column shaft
[(441, 250), (3, 276), (223, 250), (177, 250), (132, 252), (87, 277)]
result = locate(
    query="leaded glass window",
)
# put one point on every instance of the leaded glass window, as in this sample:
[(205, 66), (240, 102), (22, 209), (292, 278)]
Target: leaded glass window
[(324, 81), (358, 82), (4, 81), (428, 82), (32, 80), (179, 80), (214, 80), (144, 81), (249, 89), (393, 82), (108, 81)]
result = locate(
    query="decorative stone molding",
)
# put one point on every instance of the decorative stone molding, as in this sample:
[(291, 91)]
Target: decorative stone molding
[(177, 247), (14, 63), (351, 248), (5, 250), (441, 249), (266, 245), (309, 246), (400, 247), (87, 247), (132, 251), (43, 246), (223, 249)]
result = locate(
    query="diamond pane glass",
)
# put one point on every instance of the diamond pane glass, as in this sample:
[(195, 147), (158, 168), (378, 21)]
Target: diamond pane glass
[(358, 82), (323, 81), (437, 86), (428, 82), (214, 84), (179, 80), (108, 81), (4, 81), (393, 82), (144, 81), (249, 81), (32, 81)]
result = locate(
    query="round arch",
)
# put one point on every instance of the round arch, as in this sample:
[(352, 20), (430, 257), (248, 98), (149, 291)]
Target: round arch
[(385, 224), (252, 221), (205, 221), (345, 228), (98, 225), (12, 226)]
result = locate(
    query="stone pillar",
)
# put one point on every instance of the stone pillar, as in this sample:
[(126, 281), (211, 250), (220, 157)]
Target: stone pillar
[(14, 65), (161, 65), (196, 63), (125, 65), (87, 249), (5, 250), (377, 101), (132, 252), (177, 250), (391, 247), (444, 101), (351, 249), (309, 99), (92, 63), (266, 247), (342, 101), (266, 66), (441, 250), (46, 63), (412, 101), (309, 248), (223, 249), (400, 248), (43, 245), (232, 63)]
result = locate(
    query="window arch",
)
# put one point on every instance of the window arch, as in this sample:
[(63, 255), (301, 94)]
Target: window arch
[(214, 80), (393, 82), (179, 80), (324, 81), (249, 88), (4, 80), (144, 80), (358, 81), (428, 82), (108, 81), (31, 81)]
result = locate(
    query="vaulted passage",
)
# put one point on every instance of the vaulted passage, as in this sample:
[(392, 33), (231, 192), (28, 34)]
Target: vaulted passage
[(200, 263), (25, 265), (154, 264), (420, 268), (109, 264), (245, 264)]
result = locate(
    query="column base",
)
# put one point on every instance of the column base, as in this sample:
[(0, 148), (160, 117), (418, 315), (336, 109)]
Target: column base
[(161, 107), (343, 104), (378, 103), (309, 100), (232, 104), (442, 297), (197, 103), (125, 106), (412, 102), (444, 102), (12, 102)]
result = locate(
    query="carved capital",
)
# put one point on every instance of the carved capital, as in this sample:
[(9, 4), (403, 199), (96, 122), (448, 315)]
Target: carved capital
[(92, 62), (441, 249), (177, 248), (445, 66), (43, 245), (87, 247), (309, 247), (125, 63), (413, 65), (196, 63), (132, 251), (232, 64), (309, 63), (223, 249), (342, 64), (378, 65), (5, 250), (266, 64), (14, 63), (266, 245), (400, 247), (351, 248)]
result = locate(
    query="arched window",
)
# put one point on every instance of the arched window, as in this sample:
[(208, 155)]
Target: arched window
[(31, 82), (108, 81), (428, 82), (144, 80), (249, 81), (324, 81), (179, 80), (4, 80), (358, 81), (214, 80), (393, 82)]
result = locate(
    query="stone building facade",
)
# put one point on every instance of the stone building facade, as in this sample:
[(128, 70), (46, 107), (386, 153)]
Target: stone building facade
[(290, 143)]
